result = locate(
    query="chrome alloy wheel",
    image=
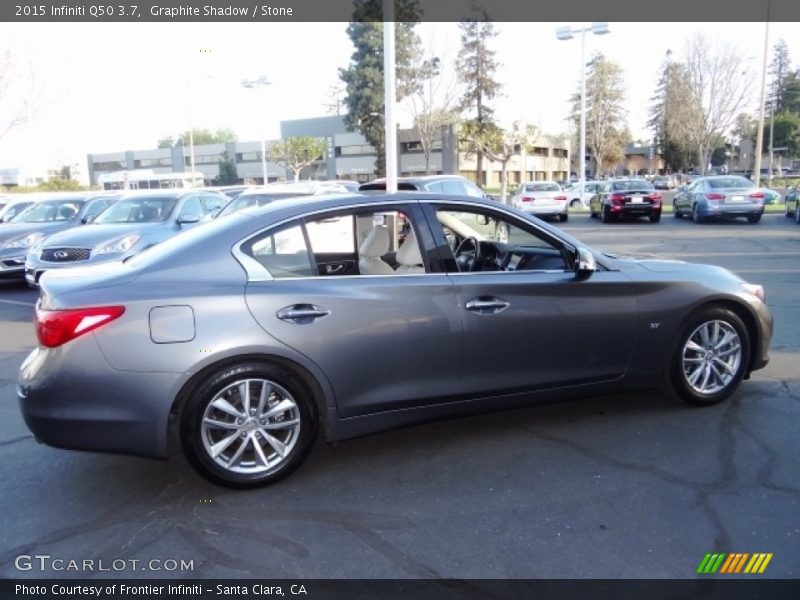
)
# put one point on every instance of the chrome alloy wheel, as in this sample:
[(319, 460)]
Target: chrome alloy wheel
[(251, 426), (711, 357)]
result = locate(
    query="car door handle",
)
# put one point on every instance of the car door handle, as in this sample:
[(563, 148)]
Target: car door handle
[(302, 313), (485, 305)]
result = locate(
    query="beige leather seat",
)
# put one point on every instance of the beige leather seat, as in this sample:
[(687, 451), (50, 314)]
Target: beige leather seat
[(375, 245), (409, 259)]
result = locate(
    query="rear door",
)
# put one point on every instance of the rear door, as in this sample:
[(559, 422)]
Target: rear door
[(384, 341)]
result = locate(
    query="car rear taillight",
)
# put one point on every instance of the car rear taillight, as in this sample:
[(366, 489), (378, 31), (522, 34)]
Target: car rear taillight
[(560, 197), (715, 196), (655, 196), (57, 327), (617, 198), (527, 198), (757, 195)]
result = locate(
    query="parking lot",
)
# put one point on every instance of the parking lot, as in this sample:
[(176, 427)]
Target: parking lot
[(629, 486)]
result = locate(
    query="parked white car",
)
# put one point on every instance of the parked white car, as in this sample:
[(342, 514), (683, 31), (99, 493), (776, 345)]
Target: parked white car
[(580, 195), (543, 199)]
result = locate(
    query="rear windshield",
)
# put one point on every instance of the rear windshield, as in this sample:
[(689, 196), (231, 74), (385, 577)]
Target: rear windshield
[(50, 210), (631, 186), (248, 200), (541, 187), (730, 182), (138, 210)]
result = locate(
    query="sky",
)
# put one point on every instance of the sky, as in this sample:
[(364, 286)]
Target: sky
[(122, 86)]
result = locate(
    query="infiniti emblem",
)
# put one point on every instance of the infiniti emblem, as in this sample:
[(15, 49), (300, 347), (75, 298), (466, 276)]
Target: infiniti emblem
[(60, 254)]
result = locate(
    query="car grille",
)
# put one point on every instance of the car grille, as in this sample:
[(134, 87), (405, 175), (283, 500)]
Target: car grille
[(65, 254)]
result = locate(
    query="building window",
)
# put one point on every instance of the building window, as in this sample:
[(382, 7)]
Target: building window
[(560, 152), (143, 163), (540, 175), (412, 146), (203, 159), (539, 151), (111, 165), (357, 150), (248, 156)]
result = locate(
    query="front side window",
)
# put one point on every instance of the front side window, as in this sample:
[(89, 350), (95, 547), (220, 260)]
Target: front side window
[(484, 241)]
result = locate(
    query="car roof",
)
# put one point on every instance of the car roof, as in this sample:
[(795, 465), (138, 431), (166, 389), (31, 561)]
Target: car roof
[(168, 193)]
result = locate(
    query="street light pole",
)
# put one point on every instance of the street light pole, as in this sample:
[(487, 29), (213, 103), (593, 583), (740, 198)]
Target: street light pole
[(252, 84), (390, 130), (567, 33)]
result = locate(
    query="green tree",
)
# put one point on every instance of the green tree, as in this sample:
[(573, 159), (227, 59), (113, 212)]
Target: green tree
[(671, 105), (779, 69), (363, 78), (605, 115), (228, 174), (476, 69), (791, 92), (296, 153), (786, 132), (201, 136)]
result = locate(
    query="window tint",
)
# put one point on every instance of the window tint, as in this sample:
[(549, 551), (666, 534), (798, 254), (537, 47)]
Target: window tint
[(435, 187), (730, 182), (541, 187), (631, 185), (283, 253), (138, 210), (473, 190), (213, 203), (192, 206), (453, 187), (96, 207), (487, 227)]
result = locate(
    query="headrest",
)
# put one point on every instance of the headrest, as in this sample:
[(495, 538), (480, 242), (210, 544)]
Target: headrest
[(376, 243), (408, 255)]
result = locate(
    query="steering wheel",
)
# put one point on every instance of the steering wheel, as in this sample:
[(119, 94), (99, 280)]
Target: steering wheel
[(468, 254)]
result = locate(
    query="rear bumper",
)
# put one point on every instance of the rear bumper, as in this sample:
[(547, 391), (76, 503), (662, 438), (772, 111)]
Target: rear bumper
[(732, 210), (544, 210), (66, 405)]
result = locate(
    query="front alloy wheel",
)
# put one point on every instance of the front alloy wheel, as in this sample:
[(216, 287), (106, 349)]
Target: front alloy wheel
[(248, 425), (712, 357)]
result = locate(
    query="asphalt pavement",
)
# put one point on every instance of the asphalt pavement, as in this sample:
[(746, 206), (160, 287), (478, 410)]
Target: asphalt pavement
[(631, 486)]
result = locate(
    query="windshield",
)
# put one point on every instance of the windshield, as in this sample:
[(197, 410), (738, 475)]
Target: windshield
[(632, 185), (51, 210), (138, 210), (541, 187), (730, 182), (248, 200)]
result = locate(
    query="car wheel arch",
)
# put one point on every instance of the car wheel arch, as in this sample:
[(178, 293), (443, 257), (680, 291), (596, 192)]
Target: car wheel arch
[(303, 376)]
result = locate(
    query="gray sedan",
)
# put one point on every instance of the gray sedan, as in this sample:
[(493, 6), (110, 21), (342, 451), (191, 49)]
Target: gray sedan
[(345, 315), (42, 219), (139, 220), (721, 196)]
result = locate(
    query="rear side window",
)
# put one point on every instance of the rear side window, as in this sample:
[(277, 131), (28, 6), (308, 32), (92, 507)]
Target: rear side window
[(284, 253)]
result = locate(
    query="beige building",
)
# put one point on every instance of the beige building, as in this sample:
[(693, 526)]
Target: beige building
[(548, 160)]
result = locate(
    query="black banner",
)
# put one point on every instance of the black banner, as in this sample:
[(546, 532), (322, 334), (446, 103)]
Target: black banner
[(715, 588), (430, 10)]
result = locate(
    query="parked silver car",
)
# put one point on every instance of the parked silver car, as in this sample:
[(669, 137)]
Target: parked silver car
[(543, 199), (45, 217), (139, 220), (346, 315)]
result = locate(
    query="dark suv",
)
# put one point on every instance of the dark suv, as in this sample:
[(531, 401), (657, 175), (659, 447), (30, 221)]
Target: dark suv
[(454, 185)]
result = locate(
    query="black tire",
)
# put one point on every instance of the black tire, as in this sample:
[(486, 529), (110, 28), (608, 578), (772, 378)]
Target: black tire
[(299, 439), (605, 215), (676, 212), (678, 379), (575, 203), (655, 218), (786, 212), (696, 215), (563, 218), (753, 218), (797, 213)]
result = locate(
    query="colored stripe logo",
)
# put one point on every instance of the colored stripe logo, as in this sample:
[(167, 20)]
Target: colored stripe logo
[(733, 563)]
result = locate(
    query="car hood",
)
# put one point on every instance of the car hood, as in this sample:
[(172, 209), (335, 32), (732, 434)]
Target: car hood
[(15, 230), (91, 235), (657, 264)]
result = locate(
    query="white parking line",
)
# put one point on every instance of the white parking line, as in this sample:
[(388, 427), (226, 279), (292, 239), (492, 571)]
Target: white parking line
[(18, 303)]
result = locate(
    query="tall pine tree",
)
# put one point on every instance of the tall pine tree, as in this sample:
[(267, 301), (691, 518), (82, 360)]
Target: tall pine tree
[(476, 67), (363, 78)]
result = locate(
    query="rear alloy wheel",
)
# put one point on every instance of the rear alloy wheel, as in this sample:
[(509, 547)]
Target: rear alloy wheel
[(696, 217), (711, 357), (575, 203), (248, 425)]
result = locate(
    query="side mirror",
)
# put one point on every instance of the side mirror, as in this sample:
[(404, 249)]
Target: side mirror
[(585, 263), (188, 219), (88, 219)]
